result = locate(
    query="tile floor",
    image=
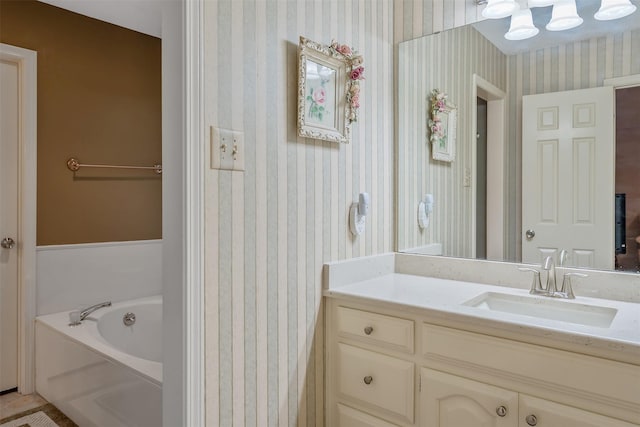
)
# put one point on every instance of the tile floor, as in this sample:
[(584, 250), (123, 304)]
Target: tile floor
[(13, 403)]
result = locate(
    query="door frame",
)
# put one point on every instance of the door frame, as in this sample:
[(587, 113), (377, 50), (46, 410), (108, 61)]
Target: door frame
[(496, 142), (27, 172)]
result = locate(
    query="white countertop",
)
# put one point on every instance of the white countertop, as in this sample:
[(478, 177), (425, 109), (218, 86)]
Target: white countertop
[(442, 301)]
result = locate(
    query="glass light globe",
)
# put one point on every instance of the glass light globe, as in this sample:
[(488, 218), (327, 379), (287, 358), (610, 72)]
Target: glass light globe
[(614, 9), (564, 16), (497, 9), (521, 26)]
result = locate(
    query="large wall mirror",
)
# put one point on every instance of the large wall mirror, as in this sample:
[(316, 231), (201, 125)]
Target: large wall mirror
[(547, 143)]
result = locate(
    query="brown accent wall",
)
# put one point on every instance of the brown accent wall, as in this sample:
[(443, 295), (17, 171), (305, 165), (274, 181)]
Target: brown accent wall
[(627, 168), (99, 99)]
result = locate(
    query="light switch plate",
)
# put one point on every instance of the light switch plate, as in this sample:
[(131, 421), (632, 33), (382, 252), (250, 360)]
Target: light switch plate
[(221, 148)]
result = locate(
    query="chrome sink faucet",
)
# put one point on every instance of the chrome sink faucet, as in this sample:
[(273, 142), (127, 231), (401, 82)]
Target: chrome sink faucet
[(76, 317), (551, 288)]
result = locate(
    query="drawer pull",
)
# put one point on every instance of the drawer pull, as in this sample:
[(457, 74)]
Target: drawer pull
[(501, 411), (532, 420), (368, 330), (368, 379)]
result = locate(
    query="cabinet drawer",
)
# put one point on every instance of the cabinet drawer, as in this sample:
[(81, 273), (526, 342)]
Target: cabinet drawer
[(376, 380), (390, 332), (553, 414), (349, 417), (605, 380)]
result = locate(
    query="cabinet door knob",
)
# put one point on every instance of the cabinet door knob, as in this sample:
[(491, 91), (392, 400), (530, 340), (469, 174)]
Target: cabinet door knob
[(532, 420), (368, 330), (368, 379), (501, 411)]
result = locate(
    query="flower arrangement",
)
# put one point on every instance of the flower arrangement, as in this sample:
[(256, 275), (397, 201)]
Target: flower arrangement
[(439, 105), (355, 72)]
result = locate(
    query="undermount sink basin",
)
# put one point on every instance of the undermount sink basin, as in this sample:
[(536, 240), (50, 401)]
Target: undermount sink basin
[(545, 308)]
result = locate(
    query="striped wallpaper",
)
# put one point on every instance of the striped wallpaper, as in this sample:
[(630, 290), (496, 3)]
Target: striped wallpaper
[(445, 61), (270, 229)]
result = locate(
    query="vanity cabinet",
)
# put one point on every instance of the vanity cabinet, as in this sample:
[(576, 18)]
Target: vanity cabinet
[(390, 367)]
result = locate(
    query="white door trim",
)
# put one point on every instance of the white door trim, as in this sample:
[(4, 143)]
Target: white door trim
[(622, 82), (27, 170), (496, 113), (194, 135)]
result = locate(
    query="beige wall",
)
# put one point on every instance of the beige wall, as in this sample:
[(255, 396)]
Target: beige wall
[(99, 99)]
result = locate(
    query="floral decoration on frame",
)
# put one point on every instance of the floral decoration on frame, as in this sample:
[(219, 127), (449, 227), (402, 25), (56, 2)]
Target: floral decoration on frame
[(328, 90), (442, 127)]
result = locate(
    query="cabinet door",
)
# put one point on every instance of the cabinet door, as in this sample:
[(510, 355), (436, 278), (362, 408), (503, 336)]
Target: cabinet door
[(543, 413), (450, 401)]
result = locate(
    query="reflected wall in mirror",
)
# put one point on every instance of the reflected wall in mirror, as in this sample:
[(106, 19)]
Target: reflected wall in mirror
[(478, 203)]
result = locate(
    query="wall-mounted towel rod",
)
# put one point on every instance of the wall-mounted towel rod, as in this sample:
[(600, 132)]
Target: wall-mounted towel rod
[(74, 165)]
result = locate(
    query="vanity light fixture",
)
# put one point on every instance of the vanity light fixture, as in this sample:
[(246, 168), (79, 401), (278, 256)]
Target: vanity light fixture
[(521, 26), (614, 9), (564, 16), (497, 9)]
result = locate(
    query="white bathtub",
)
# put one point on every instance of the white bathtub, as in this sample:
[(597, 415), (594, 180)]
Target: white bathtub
[(103, 373)]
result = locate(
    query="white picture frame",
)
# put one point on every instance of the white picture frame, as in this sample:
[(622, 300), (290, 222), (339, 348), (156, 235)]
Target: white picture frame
[(323, 84), (442, 127)]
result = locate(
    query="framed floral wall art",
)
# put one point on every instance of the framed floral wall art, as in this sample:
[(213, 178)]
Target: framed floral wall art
[(328, 90), (442, 127)]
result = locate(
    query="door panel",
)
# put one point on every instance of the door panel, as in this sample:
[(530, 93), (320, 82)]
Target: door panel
[(9, 120), (568, 148)]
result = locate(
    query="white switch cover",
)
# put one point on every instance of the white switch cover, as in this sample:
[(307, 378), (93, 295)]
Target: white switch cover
[(221, 148), (237, 150)]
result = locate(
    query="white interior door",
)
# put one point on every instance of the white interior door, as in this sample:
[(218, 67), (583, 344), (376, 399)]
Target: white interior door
[(9, 134), (568, 177)]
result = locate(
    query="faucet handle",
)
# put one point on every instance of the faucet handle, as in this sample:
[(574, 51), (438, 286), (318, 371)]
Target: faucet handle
[(536, 285), (562, 258), (567, 288)]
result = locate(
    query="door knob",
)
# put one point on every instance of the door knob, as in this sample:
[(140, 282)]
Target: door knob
[(530, 234), (501, 411), (8, 243), (532, 420)]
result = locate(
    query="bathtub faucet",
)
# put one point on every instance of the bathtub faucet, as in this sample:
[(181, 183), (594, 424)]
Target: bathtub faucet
[(76, 317)]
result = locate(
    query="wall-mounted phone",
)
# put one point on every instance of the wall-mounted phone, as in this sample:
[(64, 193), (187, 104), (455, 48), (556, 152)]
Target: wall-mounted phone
[(358, 214), (425, 208)]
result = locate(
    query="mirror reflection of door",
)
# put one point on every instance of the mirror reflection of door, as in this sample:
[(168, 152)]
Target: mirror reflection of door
[(568, 177)]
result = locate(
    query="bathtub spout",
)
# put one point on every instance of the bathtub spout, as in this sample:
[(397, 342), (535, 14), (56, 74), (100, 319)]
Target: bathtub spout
[(87, 311)]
